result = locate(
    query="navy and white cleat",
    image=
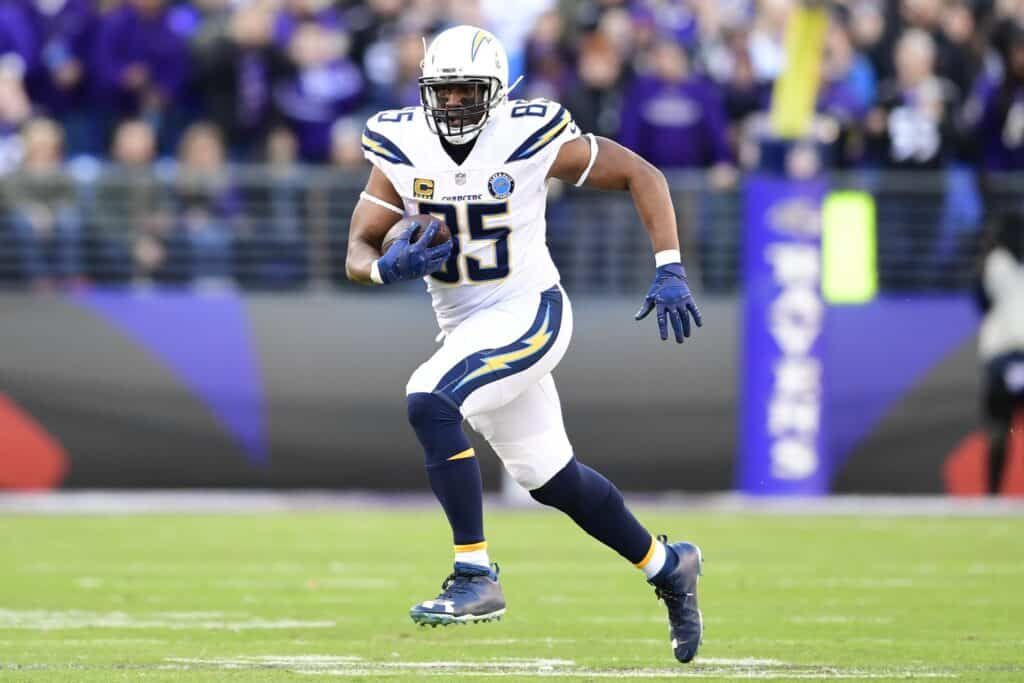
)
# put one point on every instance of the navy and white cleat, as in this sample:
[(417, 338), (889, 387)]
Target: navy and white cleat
[(678, 590), (470, 594)]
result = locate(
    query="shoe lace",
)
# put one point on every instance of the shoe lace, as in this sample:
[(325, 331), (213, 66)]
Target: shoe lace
[(456, 584), (671, 597)]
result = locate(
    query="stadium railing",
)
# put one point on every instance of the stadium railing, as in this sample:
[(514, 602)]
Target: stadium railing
[(264, 227)]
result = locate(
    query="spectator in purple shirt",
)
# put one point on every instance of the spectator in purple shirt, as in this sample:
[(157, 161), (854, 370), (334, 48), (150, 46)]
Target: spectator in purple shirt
[(405, 90), (677, 19), (327, 85), (996, 110), (57, 84), (15, 109), (17, 56), (18, 45), (295, 13), (548, 63), (139, 62), (63, 29), (841, 106), (673, 118)]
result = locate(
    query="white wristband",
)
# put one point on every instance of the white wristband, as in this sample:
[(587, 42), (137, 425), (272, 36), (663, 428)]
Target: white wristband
[(663, 258), (375, 273)]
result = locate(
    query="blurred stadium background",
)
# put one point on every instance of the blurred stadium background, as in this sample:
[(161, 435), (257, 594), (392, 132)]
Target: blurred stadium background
[(176, 181), (178, 178)]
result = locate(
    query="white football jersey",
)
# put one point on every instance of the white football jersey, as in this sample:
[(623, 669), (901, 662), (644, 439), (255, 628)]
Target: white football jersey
[(493, 202)]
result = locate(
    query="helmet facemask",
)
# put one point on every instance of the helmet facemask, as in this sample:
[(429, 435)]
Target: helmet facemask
[(460, 123)]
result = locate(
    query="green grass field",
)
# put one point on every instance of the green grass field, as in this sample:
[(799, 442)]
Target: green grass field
[(322, 596)]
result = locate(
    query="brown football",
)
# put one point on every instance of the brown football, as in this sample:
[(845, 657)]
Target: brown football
[(421, 220)]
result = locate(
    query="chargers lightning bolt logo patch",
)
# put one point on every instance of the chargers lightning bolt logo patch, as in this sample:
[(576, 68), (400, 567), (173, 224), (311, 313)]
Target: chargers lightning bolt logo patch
[(490, 365), (502, 361)]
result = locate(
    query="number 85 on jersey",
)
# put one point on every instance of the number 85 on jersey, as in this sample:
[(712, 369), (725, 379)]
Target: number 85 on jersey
[(477, 222)]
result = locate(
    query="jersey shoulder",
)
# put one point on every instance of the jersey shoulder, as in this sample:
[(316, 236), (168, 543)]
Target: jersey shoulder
[(537, 128), (391, 136)]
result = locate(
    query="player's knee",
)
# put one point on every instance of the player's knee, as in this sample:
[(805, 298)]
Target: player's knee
[(531, 460), (428, 410), (535, 473), (526, 476)]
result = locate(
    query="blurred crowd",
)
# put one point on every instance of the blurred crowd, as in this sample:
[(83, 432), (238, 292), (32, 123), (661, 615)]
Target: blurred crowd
[(905, 84)]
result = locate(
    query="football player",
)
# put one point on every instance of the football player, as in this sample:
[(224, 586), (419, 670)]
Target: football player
[(480, 162)]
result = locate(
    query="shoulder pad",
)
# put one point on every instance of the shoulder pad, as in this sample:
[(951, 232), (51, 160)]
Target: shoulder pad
[(548, 120), (384, 132)]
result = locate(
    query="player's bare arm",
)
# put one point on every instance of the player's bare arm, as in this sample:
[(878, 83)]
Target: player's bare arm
[(370, 222), (618, 168), (604, 164), (408, 257)]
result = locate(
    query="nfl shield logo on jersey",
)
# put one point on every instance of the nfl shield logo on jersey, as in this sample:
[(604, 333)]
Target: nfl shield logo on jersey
[(501, 185)]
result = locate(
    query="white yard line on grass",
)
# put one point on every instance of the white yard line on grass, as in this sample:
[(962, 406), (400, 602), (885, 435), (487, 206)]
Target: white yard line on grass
[(980, 569), (88, 582), (57, 641), (56, 620), (624, 619), (838, 619), (895, 582), (711, 667), (327, 582)]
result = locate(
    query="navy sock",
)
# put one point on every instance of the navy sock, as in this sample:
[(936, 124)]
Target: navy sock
[(452, 467), (597, 507)]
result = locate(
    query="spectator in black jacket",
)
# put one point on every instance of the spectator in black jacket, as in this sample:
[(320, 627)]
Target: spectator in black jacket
[(238, 71), (596, 99), (912, 127)]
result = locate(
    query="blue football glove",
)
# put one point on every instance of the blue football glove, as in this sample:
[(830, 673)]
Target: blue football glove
[(670, 294), (405, 260)]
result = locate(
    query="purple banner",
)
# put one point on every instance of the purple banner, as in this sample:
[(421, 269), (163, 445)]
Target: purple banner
[(782, 433)]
